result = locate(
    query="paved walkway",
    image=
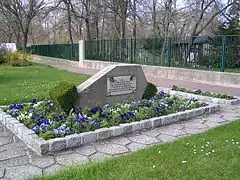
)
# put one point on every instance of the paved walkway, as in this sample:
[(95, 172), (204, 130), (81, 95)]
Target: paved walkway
[(17, 162), (166, 83)]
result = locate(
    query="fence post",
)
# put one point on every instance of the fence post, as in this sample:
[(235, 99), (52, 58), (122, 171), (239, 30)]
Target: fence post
[(169, 51), (81, 52), (223, 54)]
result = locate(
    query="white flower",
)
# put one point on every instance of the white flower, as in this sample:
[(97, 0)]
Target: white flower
[(233, 142), (237, 142), (184, 162), (208, 143), (5, 99), (187, 143), (159, 152), (213, 150), (194, 146), (201, 150), (195, 152), (203, 147), (154, 166), (226, 140), (207, 154)]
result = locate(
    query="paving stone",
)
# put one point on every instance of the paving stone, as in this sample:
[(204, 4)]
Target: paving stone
[(52, 169), (16, 161), (5, 140), (5, 132), (111, 149), (135, 146), (2, 171), (166, 138), (175, 126), (193, 130), (42, 161), (218, 120), (195, 125), (11, 152), (211, 124), (70, 159), (172, 132), (143, 139), (23, 172), (152, 133), (86, 150), (120, 140), (99, 157)]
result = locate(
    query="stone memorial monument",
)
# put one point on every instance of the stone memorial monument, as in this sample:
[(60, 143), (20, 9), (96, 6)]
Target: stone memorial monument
[(113, 84)]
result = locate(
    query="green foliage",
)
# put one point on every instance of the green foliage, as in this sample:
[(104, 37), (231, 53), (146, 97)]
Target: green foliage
[(2, 55), (64, 94), (199, 92), (17, 59), (150, 91), (153, 45)]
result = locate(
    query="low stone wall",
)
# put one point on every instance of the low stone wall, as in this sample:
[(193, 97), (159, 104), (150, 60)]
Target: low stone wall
[(202, 98), (199, 76), (42, 146)]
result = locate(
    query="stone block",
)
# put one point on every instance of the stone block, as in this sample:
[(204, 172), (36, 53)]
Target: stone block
[(74, 140), (57, 144), (89, 137), (156, 121), (38, 144), (146, 124), (127, 128), (182, 116), (103, 133), (4, 118), (137, 126), (198, 111), (116, 130), (190, 114), (10, 122), (16, 127)]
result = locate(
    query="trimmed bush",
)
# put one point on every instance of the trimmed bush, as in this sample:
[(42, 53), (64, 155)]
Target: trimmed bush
[(150, 91), (64, 94), (17, 59)]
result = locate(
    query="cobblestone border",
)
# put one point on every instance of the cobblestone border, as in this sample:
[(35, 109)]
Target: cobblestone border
[(202, 98), (42, 146)]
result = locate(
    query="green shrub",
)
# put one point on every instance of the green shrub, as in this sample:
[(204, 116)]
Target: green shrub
[(150, 91), (18, 58), (64, 94), (2, 54)]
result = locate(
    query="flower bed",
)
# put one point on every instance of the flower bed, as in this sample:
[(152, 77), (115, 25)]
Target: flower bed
[(81, 126), (203, 96), (202, 93)]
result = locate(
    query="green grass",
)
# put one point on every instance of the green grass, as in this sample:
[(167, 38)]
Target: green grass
[(21, 84), (165, 161)]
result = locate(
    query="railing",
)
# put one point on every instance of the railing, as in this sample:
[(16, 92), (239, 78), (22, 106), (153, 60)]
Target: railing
[(64, 51), (215, 53), (221, 53)]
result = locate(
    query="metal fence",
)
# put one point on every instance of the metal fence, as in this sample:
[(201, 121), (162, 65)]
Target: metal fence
[(64, 51), (218, 53)]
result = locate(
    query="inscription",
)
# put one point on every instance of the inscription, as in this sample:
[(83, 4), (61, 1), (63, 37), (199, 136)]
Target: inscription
[(121, 85)]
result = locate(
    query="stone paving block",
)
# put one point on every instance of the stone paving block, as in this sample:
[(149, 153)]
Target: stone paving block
[(86, 150), (89, 137), (10, 122), (143, 139), (193, 130), (116, 130), (70, 159), (135, 146), (23, 172), (166, 138), (74, 140), (2, 171), (52, 169), (172, 132), (120, 140), (152, 133), (15, 161), (127, 128), (103, 133), (57, 144), (99, 157), (111, 149), (42, 161)]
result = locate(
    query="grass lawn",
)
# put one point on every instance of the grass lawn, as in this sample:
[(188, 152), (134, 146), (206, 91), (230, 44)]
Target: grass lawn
[(176, 160), (21, 84)]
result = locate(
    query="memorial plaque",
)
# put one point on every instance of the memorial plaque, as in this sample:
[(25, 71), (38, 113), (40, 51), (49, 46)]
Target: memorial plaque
[(121, 85), (113, 84)]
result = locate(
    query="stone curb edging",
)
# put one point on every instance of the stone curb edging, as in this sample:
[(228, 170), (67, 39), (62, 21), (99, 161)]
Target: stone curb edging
[(202, 98), (42, 146)]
